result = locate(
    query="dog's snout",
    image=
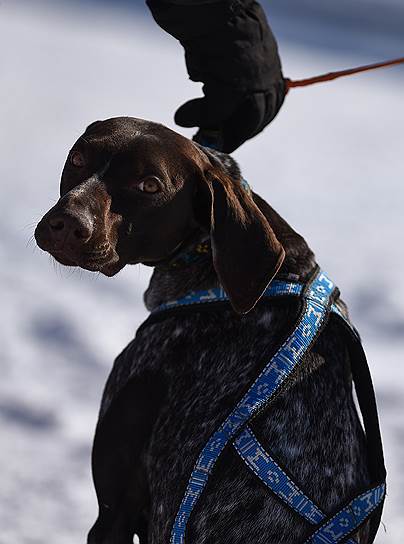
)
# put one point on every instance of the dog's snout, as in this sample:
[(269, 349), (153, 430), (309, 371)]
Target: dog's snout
[(67, 231)]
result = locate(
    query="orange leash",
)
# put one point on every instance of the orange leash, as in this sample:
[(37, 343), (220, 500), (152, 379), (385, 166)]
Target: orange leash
[(341, 73)]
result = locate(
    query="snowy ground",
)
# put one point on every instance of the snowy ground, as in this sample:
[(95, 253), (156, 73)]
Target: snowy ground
[(332, 164)]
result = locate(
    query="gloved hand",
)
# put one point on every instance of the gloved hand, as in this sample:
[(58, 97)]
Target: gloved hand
[(228, 119), (231, 49)]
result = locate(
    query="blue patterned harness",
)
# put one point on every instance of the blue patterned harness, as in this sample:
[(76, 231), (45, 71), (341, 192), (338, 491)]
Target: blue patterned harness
[(318, 297)]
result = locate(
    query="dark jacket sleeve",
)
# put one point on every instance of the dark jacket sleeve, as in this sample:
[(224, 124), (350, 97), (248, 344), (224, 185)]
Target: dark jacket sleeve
[(230, 47)]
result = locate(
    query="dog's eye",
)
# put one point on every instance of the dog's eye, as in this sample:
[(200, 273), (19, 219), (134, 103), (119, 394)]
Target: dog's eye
[(149, 185), (77, 159)]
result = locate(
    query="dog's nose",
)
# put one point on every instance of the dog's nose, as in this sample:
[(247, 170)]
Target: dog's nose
[(73, 228), (60, 230)]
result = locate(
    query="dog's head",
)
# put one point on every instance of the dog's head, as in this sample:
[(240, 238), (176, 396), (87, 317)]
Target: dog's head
[(133, 191)]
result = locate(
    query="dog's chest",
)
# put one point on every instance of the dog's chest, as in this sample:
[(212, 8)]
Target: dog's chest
[(201, 361), (201, 364)]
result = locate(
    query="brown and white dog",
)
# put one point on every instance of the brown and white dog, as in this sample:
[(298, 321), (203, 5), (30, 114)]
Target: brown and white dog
[(133, 191)]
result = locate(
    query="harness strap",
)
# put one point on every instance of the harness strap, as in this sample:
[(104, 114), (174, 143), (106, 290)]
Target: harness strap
[(347, 520), (318, 297), (367, 404), (272, 475), (317, 300), (276, 479)]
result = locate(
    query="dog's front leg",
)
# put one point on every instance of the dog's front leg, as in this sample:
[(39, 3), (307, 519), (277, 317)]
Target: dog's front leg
[(119, 471), (118, 530)]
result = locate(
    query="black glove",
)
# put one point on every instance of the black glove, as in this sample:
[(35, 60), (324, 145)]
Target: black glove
[(231, 49)]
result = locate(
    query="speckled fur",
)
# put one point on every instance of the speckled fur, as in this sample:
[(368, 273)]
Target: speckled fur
[(173, 386)]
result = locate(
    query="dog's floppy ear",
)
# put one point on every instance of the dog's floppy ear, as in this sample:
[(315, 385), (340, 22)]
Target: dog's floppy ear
[(246, 253)]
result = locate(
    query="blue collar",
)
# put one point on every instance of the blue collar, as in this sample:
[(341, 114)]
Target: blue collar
[(277, 288), (217, 294)]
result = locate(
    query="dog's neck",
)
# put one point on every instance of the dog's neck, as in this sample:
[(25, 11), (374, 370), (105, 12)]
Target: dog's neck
[(188, 270), (192, 268)]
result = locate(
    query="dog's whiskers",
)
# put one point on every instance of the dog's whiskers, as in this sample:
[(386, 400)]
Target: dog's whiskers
[(30, 243), (55, 266), (28, 226)]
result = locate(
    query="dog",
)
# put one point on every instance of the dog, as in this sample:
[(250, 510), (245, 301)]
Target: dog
[(133, 191)]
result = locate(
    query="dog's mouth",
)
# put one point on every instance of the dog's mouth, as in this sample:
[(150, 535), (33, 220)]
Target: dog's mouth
[(104, 260)]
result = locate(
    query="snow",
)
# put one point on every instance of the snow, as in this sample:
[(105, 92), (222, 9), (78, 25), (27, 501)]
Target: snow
[(331, 164)]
